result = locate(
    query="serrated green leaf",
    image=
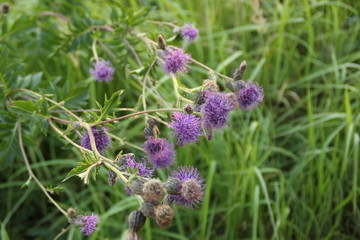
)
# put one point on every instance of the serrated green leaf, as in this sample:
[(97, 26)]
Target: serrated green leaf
[(110, 104), (80, 169), (27, 106)]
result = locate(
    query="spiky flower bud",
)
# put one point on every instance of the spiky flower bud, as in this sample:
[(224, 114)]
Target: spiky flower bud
[(5, 8), (172, 185), (148, 131), (136, 185), (147, 209), (230, 84), (132, 235), (153, 191), (164, 215), (122, 159), (161, 42), (199, 98), (111, 178), (240, 71), (136, 220)]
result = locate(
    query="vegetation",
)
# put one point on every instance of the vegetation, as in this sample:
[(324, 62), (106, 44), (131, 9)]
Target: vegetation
[(286, 170)]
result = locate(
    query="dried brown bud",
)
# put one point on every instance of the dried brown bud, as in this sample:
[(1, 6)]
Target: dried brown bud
[(188, 109), (5, 8), (132, 235), (164, 215), (147, 209), (72, 215), (168, 200), (136, 220), (153, 191), (172, 185), (210, 85), (191, 190), (161, 42), (136, 185)]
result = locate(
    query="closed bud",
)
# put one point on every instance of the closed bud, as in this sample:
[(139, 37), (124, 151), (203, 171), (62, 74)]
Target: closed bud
[(147, 209), (230, 85), (136, 185), (188, 109), (5, 8), (161, 42), (153, 191), (111, 178), (152, 122), (199, 98), (164, 215), (240, 71), (148, 131), (172, 185), (136, 220), (132, 235)]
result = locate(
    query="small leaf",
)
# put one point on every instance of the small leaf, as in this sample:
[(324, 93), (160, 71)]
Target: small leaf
[(27, 106), (110, 104)]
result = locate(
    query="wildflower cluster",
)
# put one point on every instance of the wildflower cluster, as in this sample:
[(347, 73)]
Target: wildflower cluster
[(206, 110)]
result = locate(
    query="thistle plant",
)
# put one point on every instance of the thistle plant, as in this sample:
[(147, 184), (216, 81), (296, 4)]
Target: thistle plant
[(195, 116)]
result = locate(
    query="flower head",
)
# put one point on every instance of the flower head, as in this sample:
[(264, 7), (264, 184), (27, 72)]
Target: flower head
[(176, 60), (186, 127), (102, 140), (189, 32), (191, 188), (250, 96), (160, 152), (88, 224), (102, 71), (143, 170), (216, 110)]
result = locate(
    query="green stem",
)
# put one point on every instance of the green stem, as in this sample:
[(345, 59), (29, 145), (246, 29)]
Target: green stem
[(33, 175), (137, 113), (176, 90), (94, 51)]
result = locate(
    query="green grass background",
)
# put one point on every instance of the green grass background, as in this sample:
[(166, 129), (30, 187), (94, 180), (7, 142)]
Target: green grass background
[(287, 170)]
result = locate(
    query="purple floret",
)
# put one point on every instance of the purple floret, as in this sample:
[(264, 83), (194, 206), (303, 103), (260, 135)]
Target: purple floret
[(186, 128), (189, 32), (102, 140), (143, 170), (176, 61), (191, 188), (160, 152), (102, 71), (250, 96), (88, 224), (216, 109)]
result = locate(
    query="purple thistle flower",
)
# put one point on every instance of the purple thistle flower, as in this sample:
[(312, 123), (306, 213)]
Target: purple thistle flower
[(88, 224), (216, 109), (102, 71), (191, 188), (189, 32), (160, 152), (102, 140), (176, 60), (141, 166), (187, 127), (250, 96)]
